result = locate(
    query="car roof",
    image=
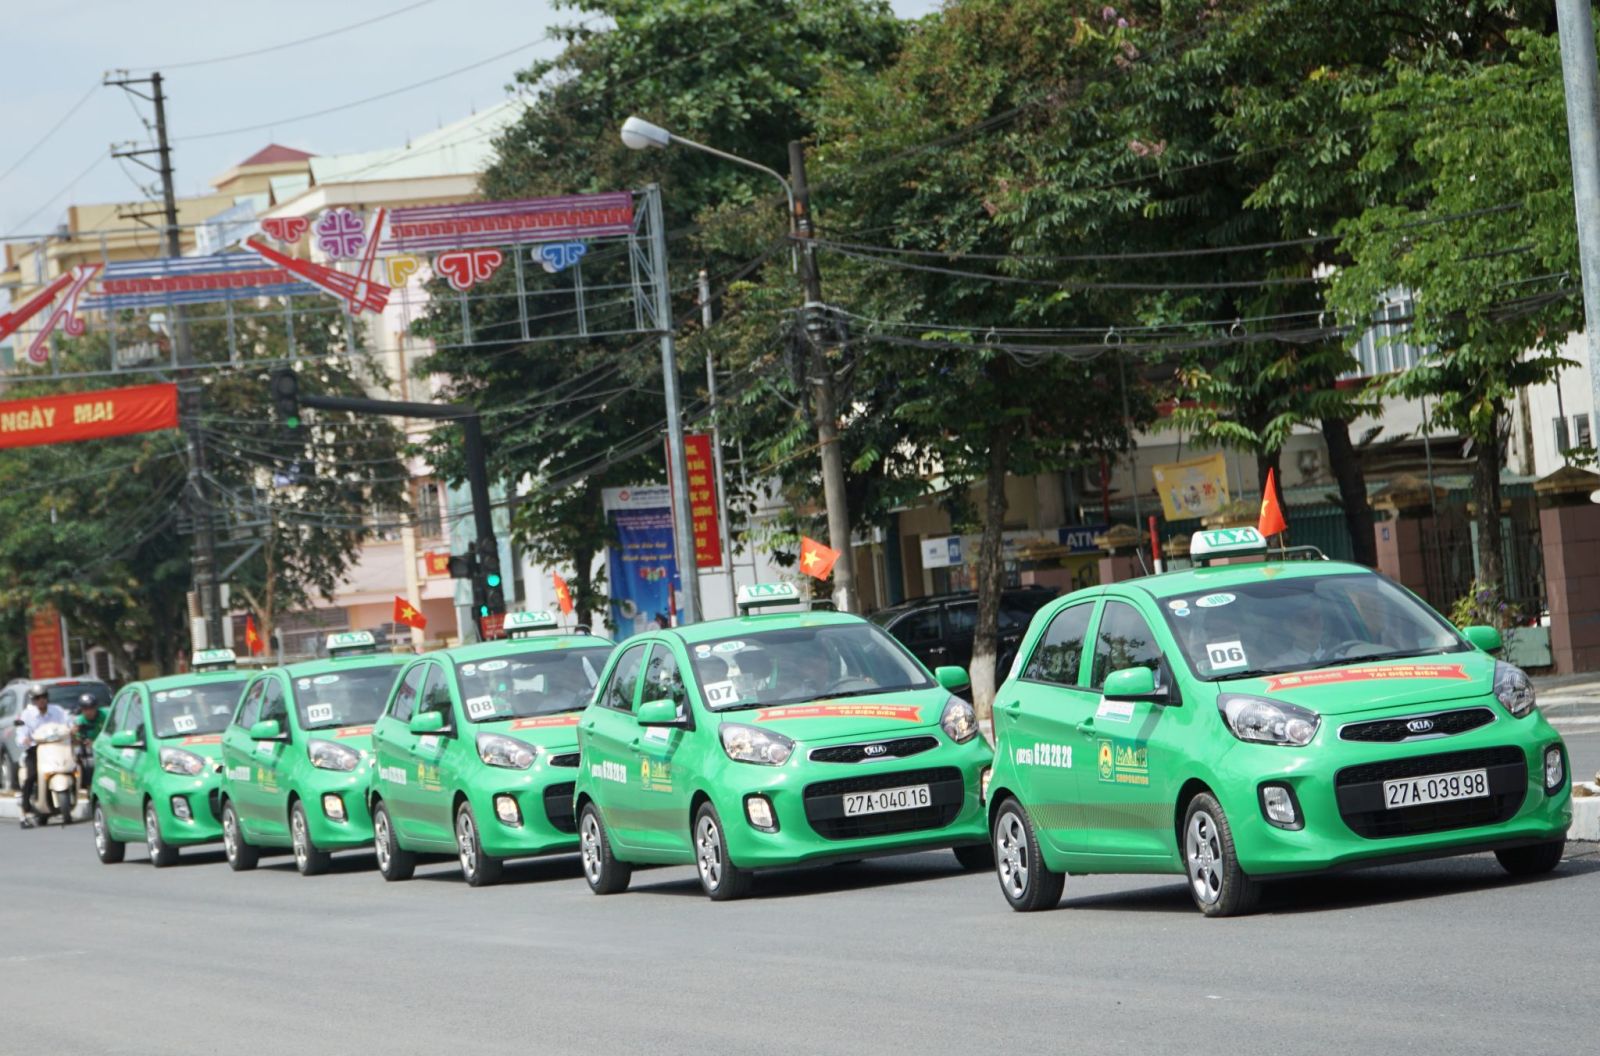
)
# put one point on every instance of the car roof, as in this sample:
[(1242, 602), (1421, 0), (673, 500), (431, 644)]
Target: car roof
[(326, 664), (1216, 577), (193, 678), (507, 646), (711, 630)]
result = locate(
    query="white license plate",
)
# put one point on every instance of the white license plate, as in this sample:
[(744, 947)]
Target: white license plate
[(1436, 788), (881, 800)]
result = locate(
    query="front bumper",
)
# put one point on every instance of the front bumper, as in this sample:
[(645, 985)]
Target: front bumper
[(543, 796), (330, 833), (806, 798), (200, 793), (1345, 822)]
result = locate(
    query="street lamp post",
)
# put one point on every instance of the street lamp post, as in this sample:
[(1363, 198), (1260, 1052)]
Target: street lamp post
[(639, 134)]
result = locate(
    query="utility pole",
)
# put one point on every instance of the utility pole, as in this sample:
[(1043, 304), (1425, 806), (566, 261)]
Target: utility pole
[(1576, 27), (824, 399), (204, 559), (716, 448)]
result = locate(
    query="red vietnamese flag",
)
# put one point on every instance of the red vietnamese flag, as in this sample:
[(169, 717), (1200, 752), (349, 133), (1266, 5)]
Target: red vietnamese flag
[(563, 595), (815, 559), (1271, 522), (252, 638), (406, 613)]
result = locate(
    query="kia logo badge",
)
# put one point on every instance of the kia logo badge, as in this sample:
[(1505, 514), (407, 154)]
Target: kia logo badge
[(880, 749), (1420, 725)]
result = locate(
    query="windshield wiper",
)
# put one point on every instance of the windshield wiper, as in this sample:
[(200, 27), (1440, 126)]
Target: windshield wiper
[(861, 692), (1254, 672), (1368, 657)]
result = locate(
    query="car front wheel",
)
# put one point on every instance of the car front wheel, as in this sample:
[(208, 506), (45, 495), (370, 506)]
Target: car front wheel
[(1532, 861), (307, 858), (1218, 885), (241, 856), (161, 854), (606, 874), (1028, 884), (109, 850), (477, 868), (394, 861), (721, 880)]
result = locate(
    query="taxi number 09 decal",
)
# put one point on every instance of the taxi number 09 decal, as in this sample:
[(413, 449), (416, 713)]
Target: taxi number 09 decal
[(319, 713)]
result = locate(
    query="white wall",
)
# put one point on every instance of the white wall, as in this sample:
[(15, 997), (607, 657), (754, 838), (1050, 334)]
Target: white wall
[(1574, 399)]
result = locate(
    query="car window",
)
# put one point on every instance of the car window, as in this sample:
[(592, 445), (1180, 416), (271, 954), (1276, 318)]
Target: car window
[(7, 704), (961, 619), (436, 695), (1014, 619), (1057, 659), (274, 708), (919, 626), (405, 698), (619, 690), (250, 707), (67, 694), (119, 710), (1124, 640), (663, 679)]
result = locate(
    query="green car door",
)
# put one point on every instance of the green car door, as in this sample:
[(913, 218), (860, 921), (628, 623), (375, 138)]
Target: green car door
[(116, 782), (262, 800), (608, 738), (396, 748), (422, 805), (656, 796), (1040, 713)]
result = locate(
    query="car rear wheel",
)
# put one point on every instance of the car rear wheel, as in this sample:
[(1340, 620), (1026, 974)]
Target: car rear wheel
[(242, 857), (1028, 884), (477, 868), (606, 874), (1218, 885), (721, 880), (307, 858), (161, 854), (1532, 861), (394, 862), (109, 850)]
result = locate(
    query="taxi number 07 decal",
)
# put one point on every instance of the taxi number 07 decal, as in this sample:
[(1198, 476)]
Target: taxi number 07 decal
[(1225, 656), (719, 693), (480, 707), (319, 713)]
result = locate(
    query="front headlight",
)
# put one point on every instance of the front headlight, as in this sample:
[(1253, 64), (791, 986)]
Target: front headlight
[(326, 755), (1513, 688), (959, 720), (1264, 721), (505, 751), (752, 744), (178, 761)]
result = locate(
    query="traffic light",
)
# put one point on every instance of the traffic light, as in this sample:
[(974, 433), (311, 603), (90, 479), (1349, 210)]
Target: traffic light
[(494, 596), (286, 397)]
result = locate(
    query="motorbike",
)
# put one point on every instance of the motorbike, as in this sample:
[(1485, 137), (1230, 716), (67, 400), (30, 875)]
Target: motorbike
[(55, 754)]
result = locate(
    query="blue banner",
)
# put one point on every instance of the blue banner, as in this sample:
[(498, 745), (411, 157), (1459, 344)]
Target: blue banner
[(640, 565)]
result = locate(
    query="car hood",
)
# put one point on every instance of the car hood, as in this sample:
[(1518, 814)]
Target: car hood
[(881, 715), (205, 745), (1377, 685), (546, 731)]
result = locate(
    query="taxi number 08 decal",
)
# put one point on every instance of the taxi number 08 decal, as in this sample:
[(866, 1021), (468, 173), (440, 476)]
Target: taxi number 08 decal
[(480, 707)]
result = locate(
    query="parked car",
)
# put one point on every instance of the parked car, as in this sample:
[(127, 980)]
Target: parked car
[(14, 697), (938, 629)]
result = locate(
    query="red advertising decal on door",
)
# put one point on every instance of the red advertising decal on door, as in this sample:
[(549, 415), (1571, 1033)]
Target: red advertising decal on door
[(203, 738), (900, 712), (1369, 674), (88, 415), (354, 731)]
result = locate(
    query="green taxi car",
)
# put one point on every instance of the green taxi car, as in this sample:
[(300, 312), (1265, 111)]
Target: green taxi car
[(156, 761), (296, 757), (478, 748), (1240, 722), (774, 740)]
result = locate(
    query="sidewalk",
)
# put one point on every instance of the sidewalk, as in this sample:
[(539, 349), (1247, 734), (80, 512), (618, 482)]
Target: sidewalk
[(1569, 700)]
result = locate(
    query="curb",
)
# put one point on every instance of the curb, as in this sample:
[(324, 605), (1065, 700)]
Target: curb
[(1586, 814)]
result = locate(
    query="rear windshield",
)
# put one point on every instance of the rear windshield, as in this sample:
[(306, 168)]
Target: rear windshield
[(68, 694), (205, 708)]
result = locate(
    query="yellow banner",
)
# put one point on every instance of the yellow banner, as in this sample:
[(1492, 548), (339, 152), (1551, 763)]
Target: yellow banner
[(1195, 488)]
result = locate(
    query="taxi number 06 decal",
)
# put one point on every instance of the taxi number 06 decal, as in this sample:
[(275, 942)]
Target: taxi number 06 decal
[(1224, 656)]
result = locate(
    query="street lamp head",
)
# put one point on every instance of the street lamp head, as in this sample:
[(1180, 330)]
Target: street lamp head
[(639, 134)]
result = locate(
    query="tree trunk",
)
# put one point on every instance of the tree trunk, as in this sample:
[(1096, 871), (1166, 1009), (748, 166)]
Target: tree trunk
[(991, 575), (1346, 467), (1486, 495), (584, 601)]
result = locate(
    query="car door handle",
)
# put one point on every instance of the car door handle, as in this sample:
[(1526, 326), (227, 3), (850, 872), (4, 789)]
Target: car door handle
[(1011, 706), (1086, 726), (634, 743)]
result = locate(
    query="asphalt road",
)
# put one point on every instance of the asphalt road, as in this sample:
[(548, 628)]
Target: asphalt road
[(899, 956)]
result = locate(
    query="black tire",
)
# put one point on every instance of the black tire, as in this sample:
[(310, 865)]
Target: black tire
[(394, 861), (1536, 860), (976, 857), (162, 854), (720, 879), (606, 873), (307, 858), (1026, 882), (242, 856), (109, 851), (1219, 887), (477, 868), (64, 804)]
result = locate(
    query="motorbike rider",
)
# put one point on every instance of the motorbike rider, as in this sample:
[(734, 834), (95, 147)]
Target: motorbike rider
[(38, 712), (90, 721)]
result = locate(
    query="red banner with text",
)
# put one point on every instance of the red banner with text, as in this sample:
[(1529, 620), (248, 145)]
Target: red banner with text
[(703, 500), (46, 652), (88, 415)]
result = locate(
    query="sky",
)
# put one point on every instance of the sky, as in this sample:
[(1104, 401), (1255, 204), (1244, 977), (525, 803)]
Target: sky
[(60, 50)]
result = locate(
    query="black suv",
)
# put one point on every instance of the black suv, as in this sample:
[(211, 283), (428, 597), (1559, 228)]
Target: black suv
[(938, 629)]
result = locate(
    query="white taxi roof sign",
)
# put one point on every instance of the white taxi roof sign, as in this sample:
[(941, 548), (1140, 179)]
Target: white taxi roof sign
[(759, 595), (351, 642), (1226, 542), (525, 624), (205, 658)]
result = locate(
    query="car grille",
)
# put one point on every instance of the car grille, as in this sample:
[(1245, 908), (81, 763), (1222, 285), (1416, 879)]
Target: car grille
[(567, 759), (1360, 793), (825, 805), (1445, 724), (857, 753), (558, 806)]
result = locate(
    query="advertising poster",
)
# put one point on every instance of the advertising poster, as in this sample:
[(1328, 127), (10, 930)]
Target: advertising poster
[(640, 567), (1197, 487)]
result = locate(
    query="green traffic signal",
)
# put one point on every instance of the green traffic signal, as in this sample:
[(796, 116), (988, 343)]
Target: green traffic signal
[(493, 579), (292, 422), (483, 610)]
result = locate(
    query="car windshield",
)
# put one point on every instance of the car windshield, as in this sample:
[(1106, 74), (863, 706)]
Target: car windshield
[(537, 682), (204, 708), (352, 697), (68, 694), (1294, 624), (793, 664)]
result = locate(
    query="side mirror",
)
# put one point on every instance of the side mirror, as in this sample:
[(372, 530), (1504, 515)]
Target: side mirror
[(1134, 683), (1484, 637), (125, 739), (267, 730), (953, 678), (661, 713), (426, 722)]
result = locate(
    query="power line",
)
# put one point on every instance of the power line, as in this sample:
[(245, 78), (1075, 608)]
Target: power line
[(290, 43), (42, 140), (66, 189)]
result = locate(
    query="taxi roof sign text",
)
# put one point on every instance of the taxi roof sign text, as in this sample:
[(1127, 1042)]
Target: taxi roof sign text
[(524, 624), (351, 642), (205, 658), (758, 595), (1226, 542)]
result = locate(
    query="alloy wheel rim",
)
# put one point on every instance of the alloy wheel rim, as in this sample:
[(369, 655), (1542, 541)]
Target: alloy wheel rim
[(591, 848), (464, 841), (710, 856), (380, 826), (152, 831), (300, 849), (100, 837), (230, 835), (1011, 853), (1204, 852)]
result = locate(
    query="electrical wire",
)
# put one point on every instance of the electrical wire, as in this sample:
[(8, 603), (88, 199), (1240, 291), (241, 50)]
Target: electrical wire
[(66, 189), (42, 140), (324, 35)]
